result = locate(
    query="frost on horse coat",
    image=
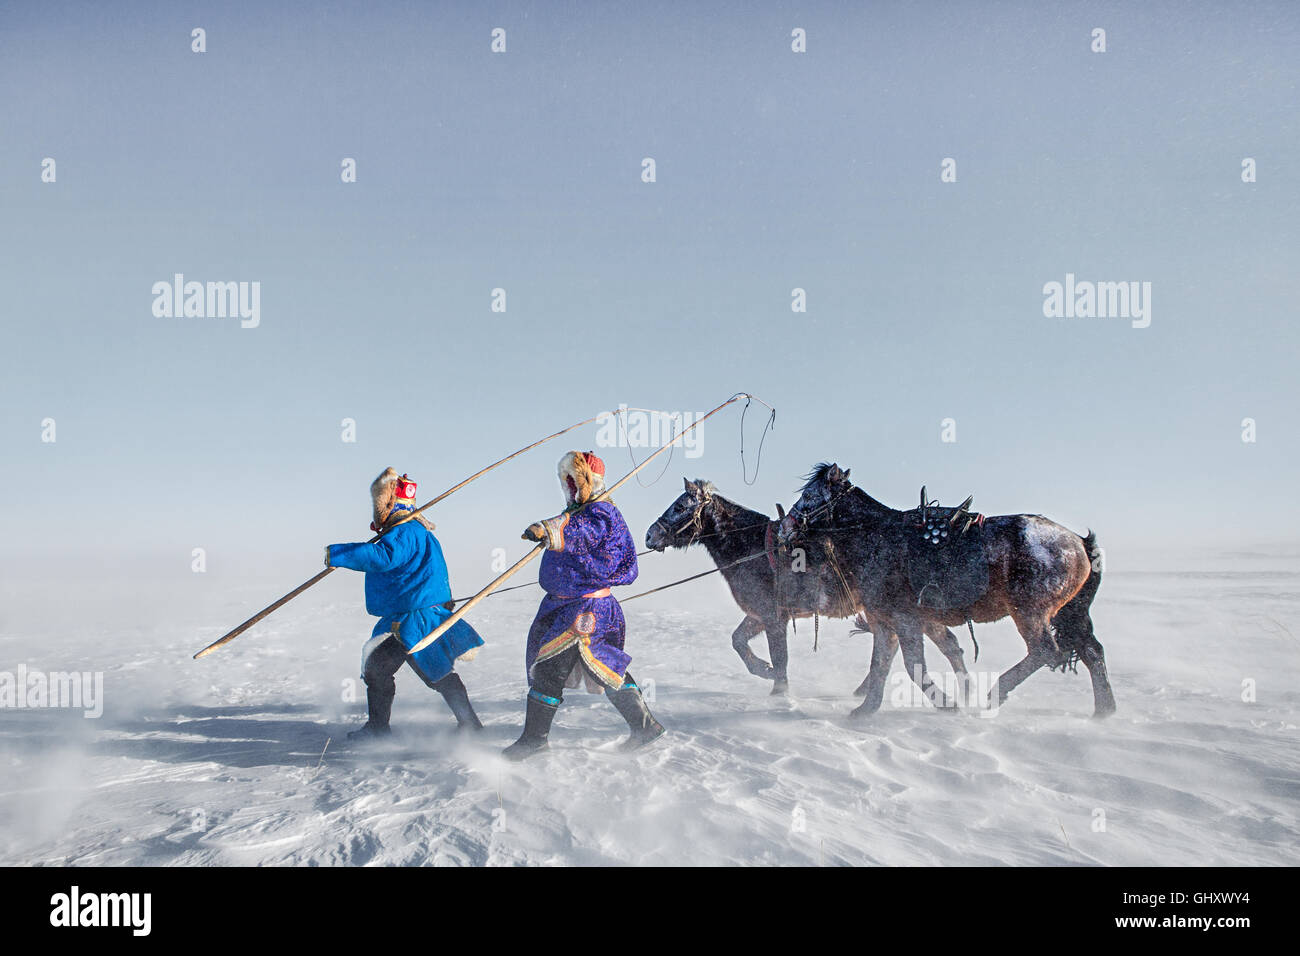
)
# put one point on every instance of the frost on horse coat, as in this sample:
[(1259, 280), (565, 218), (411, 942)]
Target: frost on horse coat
[(407, 587), (592, 549)]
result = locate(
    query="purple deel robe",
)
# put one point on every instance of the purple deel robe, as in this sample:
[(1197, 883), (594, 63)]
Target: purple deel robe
[(594, 550)]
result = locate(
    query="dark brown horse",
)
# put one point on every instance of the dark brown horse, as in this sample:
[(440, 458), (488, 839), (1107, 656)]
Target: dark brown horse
[(771, 590), (901, 566)]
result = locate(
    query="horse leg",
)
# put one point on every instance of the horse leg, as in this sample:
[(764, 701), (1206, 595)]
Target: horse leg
[(1042, 649), (883, 649), (878, 633), (949, 647), (780, 654), (911, 639), (1074, 628), (749, 629), (1094, 658), (1016, 674)]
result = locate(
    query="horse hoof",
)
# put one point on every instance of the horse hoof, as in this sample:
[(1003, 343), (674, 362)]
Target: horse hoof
[(863, 711), (1103, 711), (780, 688)]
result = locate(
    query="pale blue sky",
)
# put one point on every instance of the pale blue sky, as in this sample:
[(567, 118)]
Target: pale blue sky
[(522, 171)]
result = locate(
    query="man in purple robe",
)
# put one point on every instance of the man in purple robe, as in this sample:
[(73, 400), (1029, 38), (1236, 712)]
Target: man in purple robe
[(577, 635)]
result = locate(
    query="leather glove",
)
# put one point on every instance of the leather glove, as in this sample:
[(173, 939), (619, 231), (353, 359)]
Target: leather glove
[(550, 532)]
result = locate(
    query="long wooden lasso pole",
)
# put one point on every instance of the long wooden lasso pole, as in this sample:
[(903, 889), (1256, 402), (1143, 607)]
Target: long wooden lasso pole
[(270, 608), (514, 569)]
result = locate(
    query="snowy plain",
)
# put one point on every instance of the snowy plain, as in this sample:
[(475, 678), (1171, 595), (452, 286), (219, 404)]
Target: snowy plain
[(241, 758)]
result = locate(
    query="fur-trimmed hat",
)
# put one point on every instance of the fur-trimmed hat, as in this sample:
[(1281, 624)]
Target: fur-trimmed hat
[(393, 499), (582, 476)]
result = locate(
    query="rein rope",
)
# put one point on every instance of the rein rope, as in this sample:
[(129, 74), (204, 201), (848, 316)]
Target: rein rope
[(696, 523), (662, 587), (696, 519), (676, 417), (758, 462), (702, 574), (622, 418)]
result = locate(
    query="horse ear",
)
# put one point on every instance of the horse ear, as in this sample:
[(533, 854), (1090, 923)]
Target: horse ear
[(687, 486), (846, 473)]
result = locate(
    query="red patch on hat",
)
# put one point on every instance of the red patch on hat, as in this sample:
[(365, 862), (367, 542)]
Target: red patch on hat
[(595, 464), (405, 488)]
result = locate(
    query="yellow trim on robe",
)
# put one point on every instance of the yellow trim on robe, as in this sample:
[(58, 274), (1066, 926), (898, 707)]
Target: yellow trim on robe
[(595, 667), (555, 531), (555, 645)]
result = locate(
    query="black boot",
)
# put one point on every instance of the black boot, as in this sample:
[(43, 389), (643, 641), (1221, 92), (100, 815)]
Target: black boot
[(379, 702), (537, 724), (632, 706), (369, 731), (453, 691)]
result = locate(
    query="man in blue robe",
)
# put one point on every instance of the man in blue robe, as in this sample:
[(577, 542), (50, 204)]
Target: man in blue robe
[(577, 635), (407, 587)]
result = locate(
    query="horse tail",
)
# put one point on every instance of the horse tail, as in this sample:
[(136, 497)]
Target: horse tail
[(1073, 622)]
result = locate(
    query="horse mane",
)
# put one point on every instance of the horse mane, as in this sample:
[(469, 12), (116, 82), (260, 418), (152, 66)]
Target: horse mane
[(727, 509), (820, 472)]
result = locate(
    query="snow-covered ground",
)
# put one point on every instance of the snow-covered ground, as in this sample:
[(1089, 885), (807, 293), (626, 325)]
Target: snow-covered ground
[(224, 761)]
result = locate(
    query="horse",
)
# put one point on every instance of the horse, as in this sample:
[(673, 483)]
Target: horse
[(769, 590), (902, 565)]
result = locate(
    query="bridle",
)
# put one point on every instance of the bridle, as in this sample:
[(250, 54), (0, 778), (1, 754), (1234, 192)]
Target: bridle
[(828, 506), (695, 521)]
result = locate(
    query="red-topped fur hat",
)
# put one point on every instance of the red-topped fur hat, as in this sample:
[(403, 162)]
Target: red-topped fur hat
[(393, 498), (582, 476)]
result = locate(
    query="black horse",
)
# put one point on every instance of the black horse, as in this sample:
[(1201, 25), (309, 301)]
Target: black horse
[(770, 588), (933, 566)]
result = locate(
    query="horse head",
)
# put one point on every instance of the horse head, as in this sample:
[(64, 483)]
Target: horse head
[(682, 523), (816, 505)]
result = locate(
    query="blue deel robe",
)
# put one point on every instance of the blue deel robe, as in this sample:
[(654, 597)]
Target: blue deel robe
[(406, 587), (594, 551)]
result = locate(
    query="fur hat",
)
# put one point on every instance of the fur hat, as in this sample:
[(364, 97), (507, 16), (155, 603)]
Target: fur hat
[(392, 497), (582, 476)]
